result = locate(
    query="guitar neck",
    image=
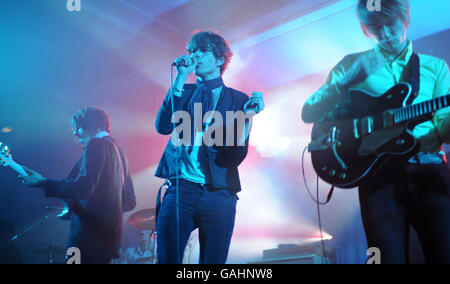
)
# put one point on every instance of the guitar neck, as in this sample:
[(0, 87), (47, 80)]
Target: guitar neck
[(413, 112), (17, 168)]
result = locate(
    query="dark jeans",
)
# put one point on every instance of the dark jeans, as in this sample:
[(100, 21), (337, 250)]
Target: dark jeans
[(408, 194), (211, 211)]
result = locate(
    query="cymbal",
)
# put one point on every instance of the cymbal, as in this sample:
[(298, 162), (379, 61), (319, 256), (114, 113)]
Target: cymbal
[(47, 248), (144, 219)]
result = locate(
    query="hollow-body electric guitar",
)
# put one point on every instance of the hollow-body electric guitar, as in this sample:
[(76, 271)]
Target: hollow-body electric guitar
[(6, 160), (347, 150)]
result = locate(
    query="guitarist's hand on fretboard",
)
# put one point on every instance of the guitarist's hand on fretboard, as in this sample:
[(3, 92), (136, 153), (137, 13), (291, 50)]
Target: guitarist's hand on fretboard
[(34, 179), (29, 177)]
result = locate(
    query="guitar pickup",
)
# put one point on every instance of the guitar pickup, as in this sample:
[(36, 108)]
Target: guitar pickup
[(388, 119), (367, 125)]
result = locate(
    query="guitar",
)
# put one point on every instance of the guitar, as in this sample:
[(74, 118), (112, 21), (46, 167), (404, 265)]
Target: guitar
[(6, 160), (350, 146)]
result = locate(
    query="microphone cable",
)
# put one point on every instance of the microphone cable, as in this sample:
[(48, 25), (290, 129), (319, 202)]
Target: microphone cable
[(177, 178)]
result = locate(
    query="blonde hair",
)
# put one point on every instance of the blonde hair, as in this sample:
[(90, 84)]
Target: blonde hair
[(390, 11)]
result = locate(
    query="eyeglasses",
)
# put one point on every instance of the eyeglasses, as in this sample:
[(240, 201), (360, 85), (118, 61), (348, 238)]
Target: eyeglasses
[(199, 51)]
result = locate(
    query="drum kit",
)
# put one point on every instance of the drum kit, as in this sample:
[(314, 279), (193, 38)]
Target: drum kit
[(51, 250), (145, 220)]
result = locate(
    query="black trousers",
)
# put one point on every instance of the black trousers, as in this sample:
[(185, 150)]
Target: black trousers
[(405, 194)]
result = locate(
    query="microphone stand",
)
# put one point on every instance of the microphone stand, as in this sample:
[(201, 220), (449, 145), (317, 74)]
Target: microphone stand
[(19, 235), (34, 225)]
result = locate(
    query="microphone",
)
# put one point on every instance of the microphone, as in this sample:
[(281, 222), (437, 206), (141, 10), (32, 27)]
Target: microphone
[(180, 62)]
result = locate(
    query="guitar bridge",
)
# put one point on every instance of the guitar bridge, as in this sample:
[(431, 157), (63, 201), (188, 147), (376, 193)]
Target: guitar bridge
[(334, 141)]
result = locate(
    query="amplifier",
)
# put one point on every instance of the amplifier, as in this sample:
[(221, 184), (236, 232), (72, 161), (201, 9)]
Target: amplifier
[(298, 254)]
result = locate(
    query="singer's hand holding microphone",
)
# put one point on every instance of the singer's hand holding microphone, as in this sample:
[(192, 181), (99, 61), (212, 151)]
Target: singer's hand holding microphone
[(185, 65)]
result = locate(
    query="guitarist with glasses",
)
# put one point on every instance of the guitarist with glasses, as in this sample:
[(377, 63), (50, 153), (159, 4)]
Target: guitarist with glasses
[(99, 189), (415, 189)]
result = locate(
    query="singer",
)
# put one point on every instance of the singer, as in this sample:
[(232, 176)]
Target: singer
[(99, 189), (205, 176)]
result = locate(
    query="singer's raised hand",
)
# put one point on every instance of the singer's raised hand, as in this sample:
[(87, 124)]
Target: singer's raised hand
[(255, 104)]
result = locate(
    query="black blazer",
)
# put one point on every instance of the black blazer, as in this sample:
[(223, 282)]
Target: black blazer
[(97, 197), (223, 160)]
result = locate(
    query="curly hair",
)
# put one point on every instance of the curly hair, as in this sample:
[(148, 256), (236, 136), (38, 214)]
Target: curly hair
[(390, 10), (92, 120), (211, 41)]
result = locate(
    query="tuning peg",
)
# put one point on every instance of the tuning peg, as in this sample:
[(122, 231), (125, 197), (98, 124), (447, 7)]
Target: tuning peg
[(4, 150)]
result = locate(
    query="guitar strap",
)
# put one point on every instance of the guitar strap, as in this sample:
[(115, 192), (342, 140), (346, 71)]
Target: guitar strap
[(413, 68)]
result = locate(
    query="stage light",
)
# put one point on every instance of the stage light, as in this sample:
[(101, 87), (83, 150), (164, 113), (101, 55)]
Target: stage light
[(266, 133), (7, 129), (284, 143), (316, 237)]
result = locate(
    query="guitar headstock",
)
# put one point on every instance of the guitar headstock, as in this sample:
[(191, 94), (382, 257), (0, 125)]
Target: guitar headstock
[(5, 155)]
